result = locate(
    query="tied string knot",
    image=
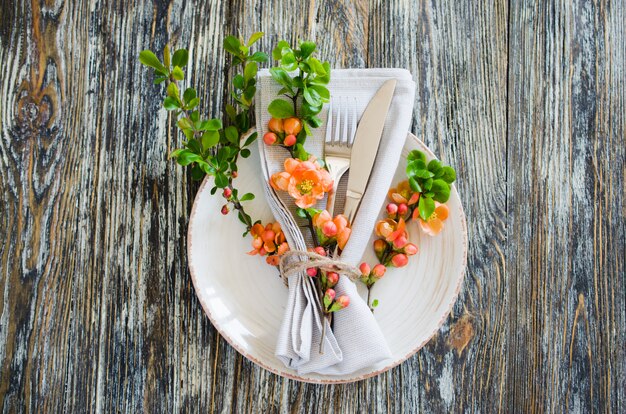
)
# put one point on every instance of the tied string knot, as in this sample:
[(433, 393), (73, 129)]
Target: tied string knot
[(296, 261)]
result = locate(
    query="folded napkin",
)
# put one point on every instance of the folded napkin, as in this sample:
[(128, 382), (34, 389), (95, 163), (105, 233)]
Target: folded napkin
[(355, 342)]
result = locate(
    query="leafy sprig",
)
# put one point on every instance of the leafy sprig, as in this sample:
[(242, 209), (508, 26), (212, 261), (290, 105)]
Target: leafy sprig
[(209, 148), (303, 78), (431, 179)]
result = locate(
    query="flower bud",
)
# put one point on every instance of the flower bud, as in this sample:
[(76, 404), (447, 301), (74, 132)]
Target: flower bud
[(234, 174), (269, 138), (330, 294), (292, 125), (365, 268), (400, 242), (273, 260), (268, 236), (320, 250), (343, 301), (399, 260), (392, 208), (275, 125), (410, 249), (402, 209), (379, 271), (329, 229), (414, 198), (380, 246), (311, 271), (290, 140), (225, 209), (332, 278), (227, 192)]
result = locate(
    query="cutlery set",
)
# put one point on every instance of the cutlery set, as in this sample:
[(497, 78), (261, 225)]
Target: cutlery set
[(354, 148)]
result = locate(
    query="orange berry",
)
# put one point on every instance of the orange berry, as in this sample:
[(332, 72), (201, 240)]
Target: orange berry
[(292, 126), (269, 138), (290, 140), (275, 125)]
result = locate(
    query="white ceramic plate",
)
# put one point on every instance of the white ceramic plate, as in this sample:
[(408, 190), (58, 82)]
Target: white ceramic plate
[(245, 298)]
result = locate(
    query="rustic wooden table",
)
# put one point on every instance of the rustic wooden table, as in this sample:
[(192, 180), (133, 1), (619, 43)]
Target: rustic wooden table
[(526, 99)]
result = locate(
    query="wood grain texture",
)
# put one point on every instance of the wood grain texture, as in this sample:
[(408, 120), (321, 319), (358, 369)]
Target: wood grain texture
[(525, 99)]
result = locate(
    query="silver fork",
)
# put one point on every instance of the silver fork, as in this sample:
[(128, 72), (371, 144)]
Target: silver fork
[(338, 144)]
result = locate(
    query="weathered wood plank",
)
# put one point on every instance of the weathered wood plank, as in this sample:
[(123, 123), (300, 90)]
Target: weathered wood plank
[(566, 206)]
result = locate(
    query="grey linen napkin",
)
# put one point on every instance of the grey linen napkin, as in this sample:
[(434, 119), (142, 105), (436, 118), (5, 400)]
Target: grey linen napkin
[(355, 342)]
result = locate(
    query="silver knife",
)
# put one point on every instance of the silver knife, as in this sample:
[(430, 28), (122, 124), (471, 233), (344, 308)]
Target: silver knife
[(365, 146)]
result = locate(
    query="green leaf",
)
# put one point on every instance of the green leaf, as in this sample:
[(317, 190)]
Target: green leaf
[(210, 139), (180, 58), (282, 77), (166, 56), (441, 190), (221, 180), (231, 112), (415, 185), (197, 173), (177, 73), (255, 37), (277, 52), (434, 166), (250, 70), (249, 92), (210, 125), (449, 175), (312, 97), (195, 115), (247, 197), (317, 67), (189, 94), (231, 44), (416, 155), (245, 153), (172, 90), (193, 103), (251, 139), (322, 91), (176, 152), (186, 157), (170, 103), (314, 121), (423, 174), (426, 207), (281, 109), (148, 58), (259, 57), (427, 184), (306, 49), (374, 303), (184, 123), (232, 135), (238, 81), (195, 146), (300, 212), (288, 61), (159, 80)]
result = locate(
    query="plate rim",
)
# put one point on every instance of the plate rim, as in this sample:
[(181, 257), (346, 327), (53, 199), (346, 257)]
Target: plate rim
[(459, 282)]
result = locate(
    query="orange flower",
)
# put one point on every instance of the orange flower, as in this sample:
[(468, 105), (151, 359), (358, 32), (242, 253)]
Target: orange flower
[(403, 194), (331, 230), (434, 224), (391, 229), (305, 181), (269, 240)]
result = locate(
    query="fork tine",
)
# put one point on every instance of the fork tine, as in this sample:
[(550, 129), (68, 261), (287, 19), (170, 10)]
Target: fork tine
[(336, 135), (329, 123), (353, 123), (345, 140)]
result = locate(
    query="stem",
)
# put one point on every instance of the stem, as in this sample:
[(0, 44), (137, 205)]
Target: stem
[(369, 291)]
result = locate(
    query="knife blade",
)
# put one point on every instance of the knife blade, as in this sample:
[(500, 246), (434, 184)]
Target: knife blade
[(365, 146)]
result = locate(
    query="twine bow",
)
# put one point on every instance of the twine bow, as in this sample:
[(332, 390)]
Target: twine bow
[(289, 267)]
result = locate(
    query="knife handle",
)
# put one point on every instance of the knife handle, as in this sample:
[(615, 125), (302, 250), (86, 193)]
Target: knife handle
[(353, 199)]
